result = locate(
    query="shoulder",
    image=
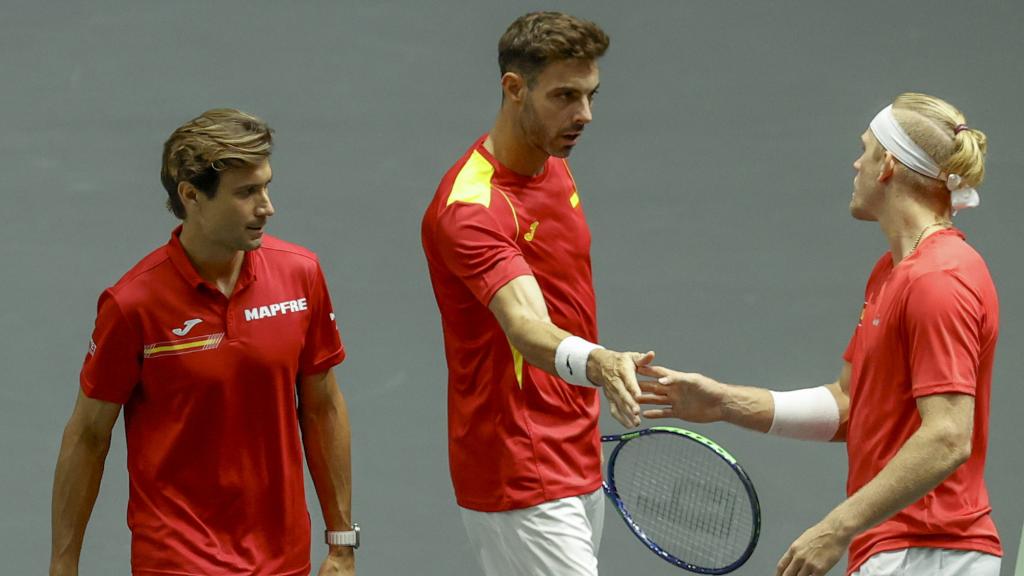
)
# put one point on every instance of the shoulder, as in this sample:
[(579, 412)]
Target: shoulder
[(957, 254), (944, 297), (879, 271), (936, 285), (143, 285), (951, 260), (282, 252), (468, 182), (469, 199), (141, 277), (883, 263)]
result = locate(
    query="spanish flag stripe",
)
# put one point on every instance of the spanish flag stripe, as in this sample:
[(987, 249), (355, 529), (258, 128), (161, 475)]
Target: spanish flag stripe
[(185, 346)]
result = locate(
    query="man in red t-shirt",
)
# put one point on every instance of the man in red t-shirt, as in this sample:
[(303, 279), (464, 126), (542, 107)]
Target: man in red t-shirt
[(220, 346), (508, 249), (912, 398)]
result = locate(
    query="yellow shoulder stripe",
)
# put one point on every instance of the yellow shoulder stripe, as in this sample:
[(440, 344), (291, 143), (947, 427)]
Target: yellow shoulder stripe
[(473, 184)]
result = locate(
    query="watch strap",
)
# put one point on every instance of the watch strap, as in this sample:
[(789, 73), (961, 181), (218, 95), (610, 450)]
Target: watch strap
[(343, 537)]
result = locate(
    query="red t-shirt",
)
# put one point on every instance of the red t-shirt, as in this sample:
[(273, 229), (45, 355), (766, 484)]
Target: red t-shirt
[(208, 385), (929, 326), (517, 436)]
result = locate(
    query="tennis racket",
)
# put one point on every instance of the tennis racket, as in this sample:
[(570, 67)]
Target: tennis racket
[(685, 498)]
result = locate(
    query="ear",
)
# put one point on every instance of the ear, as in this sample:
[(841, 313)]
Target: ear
[(888, 167), (189, 196), (513, 86)]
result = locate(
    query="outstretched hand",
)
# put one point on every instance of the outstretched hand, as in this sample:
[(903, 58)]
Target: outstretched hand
[(616, 373), (683, 395)]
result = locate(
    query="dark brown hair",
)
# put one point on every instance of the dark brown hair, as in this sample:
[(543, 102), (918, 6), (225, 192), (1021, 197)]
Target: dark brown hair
[(537, 39)]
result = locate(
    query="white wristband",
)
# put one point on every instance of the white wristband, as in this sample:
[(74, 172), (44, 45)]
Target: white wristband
[(808, 414), (571, 360)]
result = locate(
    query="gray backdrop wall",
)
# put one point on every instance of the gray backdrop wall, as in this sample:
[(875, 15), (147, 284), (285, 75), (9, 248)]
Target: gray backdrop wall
[(716, 178)]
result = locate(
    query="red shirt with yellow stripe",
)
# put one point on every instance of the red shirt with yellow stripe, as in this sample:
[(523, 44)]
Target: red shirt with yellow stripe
[(517, 436), (208, 385)]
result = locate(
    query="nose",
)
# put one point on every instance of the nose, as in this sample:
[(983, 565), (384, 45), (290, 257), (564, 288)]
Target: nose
[(585, 114), (265, 207)]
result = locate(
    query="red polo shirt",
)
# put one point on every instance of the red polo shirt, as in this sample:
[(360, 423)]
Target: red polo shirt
[(929, 326), (517, 436), (208, 385)]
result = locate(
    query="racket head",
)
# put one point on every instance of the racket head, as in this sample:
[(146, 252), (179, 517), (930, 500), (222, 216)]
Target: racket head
[(639, 471)]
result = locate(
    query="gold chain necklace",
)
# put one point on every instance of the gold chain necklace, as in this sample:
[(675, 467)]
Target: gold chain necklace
[(925, 229)]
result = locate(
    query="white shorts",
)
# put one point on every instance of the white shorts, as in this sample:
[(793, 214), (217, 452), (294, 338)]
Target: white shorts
[(557, 537), (930, 562)]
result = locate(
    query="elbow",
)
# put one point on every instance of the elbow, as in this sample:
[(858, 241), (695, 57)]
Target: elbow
[(955, 445), (961, 452), (84, 437), (316, 411), (517, 330), (309, 414)]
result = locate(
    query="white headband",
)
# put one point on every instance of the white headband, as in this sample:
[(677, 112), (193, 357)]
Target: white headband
[(892, 137)]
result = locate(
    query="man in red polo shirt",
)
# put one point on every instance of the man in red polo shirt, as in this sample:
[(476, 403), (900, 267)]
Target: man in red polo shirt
[(220, 346), (508, 250), (912, 399)]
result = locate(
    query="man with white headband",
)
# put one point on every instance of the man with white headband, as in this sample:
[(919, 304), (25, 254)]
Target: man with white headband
[(912, 398)]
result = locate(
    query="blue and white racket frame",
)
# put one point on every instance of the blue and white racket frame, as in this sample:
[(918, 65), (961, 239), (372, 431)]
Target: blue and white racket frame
[(613, 495)]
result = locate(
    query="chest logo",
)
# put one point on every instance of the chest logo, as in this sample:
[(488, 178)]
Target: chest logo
[(183, 346), (533, 230), (260, 312), (189, 325)]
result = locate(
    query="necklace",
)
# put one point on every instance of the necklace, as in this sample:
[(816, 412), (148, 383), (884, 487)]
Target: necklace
[(920, 236)]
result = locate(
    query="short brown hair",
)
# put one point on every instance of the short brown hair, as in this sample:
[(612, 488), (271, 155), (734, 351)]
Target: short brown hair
[(537, 39), (201, 148)]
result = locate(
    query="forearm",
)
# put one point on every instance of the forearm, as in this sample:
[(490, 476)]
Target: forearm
[(810, 414), (75, 487), (326, 440), (755, 408), (747, 407), (536, 340), (520, 309), (926, 459)]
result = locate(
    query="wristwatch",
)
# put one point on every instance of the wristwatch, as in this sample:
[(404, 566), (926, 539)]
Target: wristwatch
[(343, 538)]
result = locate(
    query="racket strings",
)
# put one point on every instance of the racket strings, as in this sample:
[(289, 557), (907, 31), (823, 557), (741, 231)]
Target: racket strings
[(685, 498)]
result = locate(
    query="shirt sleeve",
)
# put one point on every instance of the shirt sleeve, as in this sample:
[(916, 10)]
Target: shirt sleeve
[(323, 347), (848, 353), (943, 323), (113, 365), (476, 248)]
